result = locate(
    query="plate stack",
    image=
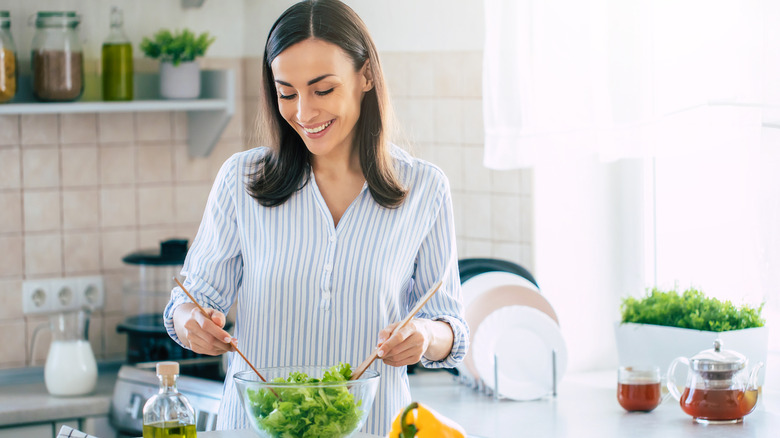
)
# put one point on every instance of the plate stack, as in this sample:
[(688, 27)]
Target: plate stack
[(517, 349)]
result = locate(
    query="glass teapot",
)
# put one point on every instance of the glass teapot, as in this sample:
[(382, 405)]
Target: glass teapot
[(719, 388), (70, 367)]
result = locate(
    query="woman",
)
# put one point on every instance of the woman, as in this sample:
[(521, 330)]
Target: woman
[(328, 237)]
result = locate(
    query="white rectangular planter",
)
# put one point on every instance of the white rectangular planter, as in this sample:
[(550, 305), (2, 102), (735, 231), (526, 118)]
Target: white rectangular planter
[(646, 344)]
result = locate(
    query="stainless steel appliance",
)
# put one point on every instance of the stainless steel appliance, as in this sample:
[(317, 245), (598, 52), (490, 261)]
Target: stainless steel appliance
[(136, 383)]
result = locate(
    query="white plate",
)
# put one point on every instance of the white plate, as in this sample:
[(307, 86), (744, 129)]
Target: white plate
[(522, 338), (476, 285)]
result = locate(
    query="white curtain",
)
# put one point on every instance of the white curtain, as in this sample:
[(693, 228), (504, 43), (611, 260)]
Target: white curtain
[(653, 131), (622, 78)]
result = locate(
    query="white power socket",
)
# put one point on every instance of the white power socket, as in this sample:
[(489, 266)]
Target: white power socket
[(36, 296), (62, 294)]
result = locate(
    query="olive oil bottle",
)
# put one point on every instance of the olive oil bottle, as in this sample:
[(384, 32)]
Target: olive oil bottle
[(117, 57), (169, 429), (168, 414)]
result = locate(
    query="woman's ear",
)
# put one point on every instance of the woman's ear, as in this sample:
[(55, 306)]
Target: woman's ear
[(366, 72)]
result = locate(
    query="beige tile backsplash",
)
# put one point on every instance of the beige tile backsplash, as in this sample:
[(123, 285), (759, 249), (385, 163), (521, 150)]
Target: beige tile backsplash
[(153, 126), (116, 128), (78, 128), (40, 129), (10, 168), (117, 164), (154, 163), (80, 209), (11, 212), (79, 165), (43, 255), (80, 191), (41, 210), (9, 130), (40, 167)]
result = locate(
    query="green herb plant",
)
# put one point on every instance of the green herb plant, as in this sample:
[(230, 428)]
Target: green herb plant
[(691, 309), (176, 47), (308, 412)]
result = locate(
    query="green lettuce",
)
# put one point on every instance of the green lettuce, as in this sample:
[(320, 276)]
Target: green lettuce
[(308, 412)]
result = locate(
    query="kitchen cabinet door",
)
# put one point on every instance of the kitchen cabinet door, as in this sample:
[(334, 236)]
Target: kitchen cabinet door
[(34, 431), (98, 426)]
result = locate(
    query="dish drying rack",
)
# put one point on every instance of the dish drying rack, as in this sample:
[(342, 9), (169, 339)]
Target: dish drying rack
[(479, 385)]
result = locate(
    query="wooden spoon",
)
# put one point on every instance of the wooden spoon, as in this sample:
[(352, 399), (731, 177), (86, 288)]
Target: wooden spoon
[(233, 343), (367, 363)]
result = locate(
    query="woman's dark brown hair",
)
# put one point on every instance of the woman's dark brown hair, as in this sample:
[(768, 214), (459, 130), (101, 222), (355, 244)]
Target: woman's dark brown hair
[(286, 168)]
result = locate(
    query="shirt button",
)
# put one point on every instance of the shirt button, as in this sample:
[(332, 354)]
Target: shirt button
[(326, 295), (333, 238), (327, 267)]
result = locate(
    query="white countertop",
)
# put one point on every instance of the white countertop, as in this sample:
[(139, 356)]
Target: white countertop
[(26, 400), (585, 406)]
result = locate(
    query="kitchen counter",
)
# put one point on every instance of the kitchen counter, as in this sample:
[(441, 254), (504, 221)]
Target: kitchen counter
[(23, 398), (248, 433), (585, 406)]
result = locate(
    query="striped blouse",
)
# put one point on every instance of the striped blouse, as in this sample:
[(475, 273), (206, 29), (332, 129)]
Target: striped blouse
[(309, 293)]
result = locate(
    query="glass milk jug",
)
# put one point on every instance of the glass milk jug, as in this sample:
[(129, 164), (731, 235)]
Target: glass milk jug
[(70, 367)]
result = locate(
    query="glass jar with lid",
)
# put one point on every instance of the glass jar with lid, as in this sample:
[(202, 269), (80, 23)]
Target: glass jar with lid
[(57, 57), (8, 62)]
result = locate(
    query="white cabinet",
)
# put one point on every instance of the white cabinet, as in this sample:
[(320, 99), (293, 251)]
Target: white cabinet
[(98, 426)]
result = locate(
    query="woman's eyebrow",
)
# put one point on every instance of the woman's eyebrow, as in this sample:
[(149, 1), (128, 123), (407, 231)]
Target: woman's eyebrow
[(311, 82)]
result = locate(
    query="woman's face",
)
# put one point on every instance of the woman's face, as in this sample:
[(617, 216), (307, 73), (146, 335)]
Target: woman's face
[(319, 94)]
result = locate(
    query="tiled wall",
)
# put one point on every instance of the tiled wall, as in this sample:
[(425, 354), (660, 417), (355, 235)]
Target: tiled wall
[(79, 191)]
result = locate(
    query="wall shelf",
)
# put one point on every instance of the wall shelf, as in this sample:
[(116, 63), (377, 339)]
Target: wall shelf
[(207, 116)]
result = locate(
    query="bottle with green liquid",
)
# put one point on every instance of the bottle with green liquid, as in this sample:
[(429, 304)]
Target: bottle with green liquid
[(117, 59), (168, 414)]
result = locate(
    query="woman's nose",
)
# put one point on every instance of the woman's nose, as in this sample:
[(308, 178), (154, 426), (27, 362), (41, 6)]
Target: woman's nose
[(306, 110)]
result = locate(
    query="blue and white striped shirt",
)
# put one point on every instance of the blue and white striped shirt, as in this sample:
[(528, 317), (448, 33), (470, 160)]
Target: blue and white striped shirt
[(309, 293)]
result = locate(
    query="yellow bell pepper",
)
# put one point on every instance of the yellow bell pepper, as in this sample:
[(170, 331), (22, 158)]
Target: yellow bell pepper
[(427, 424)]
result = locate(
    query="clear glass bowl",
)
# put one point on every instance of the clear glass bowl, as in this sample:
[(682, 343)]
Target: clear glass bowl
[(325, 410)]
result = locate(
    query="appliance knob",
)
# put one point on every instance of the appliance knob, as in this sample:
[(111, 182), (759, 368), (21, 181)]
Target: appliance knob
[(135, 408)]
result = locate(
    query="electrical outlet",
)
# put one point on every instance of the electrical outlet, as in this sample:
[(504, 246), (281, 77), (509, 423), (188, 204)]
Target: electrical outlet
[(64, 296), (36, 296), (90, 292)]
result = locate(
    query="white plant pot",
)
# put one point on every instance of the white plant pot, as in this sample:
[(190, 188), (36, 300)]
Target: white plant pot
[(181, 81), (646, 344)]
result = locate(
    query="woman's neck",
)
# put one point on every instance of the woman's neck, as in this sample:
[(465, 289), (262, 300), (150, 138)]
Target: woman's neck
[(338, 164)]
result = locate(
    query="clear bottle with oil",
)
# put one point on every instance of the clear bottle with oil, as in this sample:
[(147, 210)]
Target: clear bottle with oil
[(168, 414), (117, 60)]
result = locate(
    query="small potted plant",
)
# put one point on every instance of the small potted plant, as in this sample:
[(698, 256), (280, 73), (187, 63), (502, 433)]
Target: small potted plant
[(179, 72), (664, 325)]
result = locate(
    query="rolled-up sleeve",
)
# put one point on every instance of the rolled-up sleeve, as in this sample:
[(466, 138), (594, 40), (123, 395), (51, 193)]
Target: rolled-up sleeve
[(438, 259), (213, 267)]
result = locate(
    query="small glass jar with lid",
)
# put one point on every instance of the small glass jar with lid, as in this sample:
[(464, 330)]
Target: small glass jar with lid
[(8, 61), (57, 57)]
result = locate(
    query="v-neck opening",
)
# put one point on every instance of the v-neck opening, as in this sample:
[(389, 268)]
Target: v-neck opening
[(324, 205)]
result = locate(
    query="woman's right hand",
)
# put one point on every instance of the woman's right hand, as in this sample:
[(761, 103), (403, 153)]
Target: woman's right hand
[(201, 334)]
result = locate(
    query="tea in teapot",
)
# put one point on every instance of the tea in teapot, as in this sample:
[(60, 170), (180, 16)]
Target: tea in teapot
[(718, 388)]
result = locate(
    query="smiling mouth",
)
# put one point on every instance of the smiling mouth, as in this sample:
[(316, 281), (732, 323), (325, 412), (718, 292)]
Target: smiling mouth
[(317, 129)]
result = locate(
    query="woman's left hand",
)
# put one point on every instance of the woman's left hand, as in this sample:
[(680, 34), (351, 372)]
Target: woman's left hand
[(408, 345)]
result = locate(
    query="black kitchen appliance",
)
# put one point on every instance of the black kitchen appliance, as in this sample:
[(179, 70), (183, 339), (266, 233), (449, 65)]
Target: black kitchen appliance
[(146, 295)]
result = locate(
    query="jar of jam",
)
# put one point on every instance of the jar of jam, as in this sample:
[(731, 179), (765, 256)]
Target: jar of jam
[(57, 57), (8, 62)]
